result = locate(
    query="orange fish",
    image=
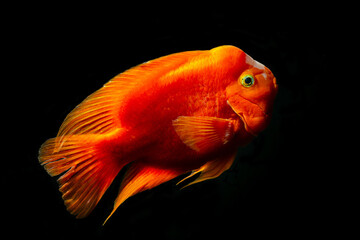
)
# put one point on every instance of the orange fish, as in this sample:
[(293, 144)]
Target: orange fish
[(184, 112)]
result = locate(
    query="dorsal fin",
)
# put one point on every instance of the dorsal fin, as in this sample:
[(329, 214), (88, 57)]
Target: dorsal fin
[(98, 113)]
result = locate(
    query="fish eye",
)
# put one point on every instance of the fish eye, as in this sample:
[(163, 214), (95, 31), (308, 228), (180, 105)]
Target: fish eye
[(247, 80)]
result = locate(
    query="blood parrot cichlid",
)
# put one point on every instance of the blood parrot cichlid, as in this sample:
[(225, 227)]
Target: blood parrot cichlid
[(185, 112)]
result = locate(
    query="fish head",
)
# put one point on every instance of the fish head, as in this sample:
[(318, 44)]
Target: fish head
[(251, 95)]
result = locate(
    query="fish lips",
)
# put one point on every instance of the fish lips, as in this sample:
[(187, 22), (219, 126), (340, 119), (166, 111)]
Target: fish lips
[(255, 121)]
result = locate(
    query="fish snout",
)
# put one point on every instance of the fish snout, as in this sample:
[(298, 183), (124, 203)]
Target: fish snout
[(271, 78), (275, 84)]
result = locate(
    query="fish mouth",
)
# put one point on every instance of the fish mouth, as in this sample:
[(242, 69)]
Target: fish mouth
[(246, 126), (242, 118), (254, 130)]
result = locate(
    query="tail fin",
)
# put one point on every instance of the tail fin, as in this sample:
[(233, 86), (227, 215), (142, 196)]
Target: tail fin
[(86, 171)]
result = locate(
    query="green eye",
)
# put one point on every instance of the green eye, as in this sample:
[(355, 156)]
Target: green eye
[(247, 80)]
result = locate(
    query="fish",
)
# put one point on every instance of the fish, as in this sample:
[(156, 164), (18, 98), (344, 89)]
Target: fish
[(184, 113)]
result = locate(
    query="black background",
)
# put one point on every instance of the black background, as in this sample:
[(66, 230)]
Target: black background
[(278, 182)]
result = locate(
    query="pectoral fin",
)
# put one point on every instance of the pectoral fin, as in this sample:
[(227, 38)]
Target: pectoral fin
[(211, 169), (203, 133)]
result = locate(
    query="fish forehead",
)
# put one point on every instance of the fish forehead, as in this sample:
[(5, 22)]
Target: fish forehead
[(250, 61), (255, 64)]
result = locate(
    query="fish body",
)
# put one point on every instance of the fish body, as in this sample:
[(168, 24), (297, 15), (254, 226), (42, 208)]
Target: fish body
[(185, 112)]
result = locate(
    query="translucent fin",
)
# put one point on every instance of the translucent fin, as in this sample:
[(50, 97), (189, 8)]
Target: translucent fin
[(203, 133), (86, 172), (141, 177), (211, 169)]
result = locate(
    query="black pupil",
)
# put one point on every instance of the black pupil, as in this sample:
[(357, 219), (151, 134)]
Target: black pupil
[(248, 80)]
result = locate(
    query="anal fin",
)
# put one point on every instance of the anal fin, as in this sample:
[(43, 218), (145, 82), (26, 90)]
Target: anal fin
[(211, 169), (141, 177)]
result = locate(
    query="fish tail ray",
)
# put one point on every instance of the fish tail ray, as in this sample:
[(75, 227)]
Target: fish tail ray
[(86, 171), (140, 177)]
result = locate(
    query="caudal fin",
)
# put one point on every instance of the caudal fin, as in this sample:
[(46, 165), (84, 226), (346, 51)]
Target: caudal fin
[(86, 171)]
